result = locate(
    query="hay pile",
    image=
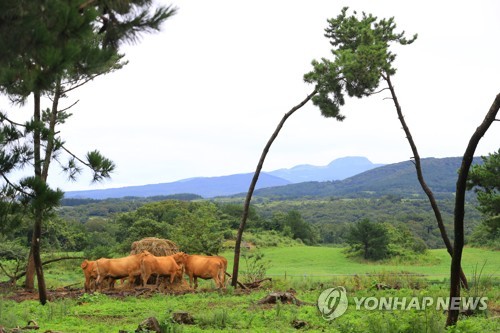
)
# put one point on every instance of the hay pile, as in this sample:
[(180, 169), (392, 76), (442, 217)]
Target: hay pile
[(156, 246), (160, 247)]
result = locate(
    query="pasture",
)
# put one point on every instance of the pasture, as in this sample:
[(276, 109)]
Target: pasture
[(307, 270)]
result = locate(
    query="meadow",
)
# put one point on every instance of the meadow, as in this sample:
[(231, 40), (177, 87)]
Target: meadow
[(306, 270)]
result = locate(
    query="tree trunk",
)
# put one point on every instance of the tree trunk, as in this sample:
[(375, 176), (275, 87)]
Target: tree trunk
[(460, 209), (423, 184), (246, 207), (38, 211), (29, 282)]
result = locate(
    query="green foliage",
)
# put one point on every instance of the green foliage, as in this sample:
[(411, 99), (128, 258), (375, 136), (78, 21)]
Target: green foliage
[(195, 226), (13, 258), (198, 231), (402, 242), (485, 180), (487, 234), (369, 239), (291, 224), (255, 266), (333, 216), (361, 58)]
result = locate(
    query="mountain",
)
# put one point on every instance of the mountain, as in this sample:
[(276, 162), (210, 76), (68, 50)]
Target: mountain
[(210, 187), (338, 169), (207, 187), (395, 179), (440, 175)]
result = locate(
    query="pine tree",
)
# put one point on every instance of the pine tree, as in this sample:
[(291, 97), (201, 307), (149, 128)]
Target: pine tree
[(48, 48)]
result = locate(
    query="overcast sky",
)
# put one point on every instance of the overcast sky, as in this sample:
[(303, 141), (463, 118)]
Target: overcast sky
[(202, 97)]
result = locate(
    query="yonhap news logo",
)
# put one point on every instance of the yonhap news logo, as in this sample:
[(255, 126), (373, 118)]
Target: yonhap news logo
[(333, 303)]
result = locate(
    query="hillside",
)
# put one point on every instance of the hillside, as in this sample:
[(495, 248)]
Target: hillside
[(394, 179)]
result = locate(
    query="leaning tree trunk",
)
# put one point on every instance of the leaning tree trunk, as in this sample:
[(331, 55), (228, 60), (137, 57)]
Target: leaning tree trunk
[(246, 207), (460, 210), (420, 176)]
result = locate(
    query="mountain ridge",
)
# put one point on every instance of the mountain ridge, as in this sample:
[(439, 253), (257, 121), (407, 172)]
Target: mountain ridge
[(391, 179), (400, 178), (210, 187)]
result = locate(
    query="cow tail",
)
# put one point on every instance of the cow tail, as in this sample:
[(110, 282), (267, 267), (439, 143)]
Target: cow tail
[(221, 275)]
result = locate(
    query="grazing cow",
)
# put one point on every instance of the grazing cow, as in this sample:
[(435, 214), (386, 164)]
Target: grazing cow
[(126, 267), (90, 274), (159, 266), (205, 267)]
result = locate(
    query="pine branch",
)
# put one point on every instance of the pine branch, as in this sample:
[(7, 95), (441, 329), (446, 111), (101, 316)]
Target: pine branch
[(4, 117), (17, 188)]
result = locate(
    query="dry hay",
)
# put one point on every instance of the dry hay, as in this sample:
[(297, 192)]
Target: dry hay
[(159, 247), (156, 246)]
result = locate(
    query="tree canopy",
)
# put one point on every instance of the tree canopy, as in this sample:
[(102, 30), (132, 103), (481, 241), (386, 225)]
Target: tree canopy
[(48, 49)]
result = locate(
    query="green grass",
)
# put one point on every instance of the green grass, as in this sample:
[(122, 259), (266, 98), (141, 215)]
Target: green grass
[(321, 261), (231, 311)]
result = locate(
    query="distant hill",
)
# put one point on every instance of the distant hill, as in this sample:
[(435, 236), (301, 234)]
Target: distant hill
[(338, 169), (395, 179), (207, 187)]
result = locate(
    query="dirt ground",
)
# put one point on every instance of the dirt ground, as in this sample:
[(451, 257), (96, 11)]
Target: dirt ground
[(19, 294)]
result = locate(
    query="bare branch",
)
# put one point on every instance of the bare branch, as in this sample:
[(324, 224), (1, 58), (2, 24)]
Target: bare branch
[(378, 92), (69, 107), (82, 83), (76, 157)]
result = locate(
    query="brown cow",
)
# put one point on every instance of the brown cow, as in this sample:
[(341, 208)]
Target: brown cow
[(126, 267), (205, 267), (159, 266), (90, 272)]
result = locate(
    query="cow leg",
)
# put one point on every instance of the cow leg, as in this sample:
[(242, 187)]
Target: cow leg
[(191, 280), (145, 279), (195, 282)]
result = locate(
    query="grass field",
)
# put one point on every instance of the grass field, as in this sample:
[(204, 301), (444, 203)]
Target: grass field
[(326, 261), (309, 270)]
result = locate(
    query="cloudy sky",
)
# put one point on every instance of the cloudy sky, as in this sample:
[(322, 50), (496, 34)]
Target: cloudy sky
[(202, 97)]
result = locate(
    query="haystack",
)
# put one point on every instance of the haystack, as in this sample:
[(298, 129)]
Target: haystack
[(156, 246), (159, 247)]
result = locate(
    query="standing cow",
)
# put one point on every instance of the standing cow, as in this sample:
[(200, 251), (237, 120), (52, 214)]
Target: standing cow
[(205, 267), (159, 266), (126, 267), (90, 272)]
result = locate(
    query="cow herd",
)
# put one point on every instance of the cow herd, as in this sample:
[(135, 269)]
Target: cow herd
[(144, 265)]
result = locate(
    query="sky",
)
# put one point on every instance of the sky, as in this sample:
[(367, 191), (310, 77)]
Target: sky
[(202, 97)]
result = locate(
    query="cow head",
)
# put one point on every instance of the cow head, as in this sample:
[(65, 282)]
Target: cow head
[(180, 258), (84, 264)]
